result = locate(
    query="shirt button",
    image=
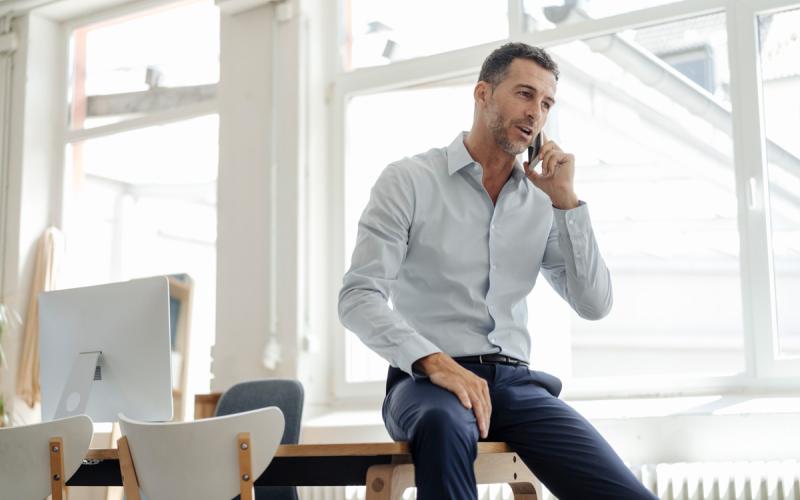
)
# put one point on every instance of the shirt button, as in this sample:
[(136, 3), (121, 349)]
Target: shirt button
[(571, 221), (493, 226), (494, 266)]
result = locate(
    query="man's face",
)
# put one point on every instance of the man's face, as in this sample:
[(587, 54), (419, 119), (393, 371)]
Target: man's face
[(517, 108)]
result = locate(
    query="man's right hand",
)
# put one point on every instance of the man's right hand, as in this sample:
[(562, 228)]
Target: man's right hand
[(470, 389)]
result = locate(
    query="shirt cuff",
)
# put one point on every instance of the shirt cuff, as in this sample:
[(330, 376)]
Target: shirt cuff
[(575, 227), (412, 350)]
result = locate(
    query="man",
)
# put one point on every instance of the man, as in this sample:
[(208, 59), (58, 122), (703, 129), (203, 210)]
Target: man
[(456, 238)]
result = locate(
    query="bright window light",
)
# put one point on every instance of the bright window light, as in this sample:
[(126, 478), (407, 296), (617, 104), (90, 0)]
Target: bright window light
[(780, 53)]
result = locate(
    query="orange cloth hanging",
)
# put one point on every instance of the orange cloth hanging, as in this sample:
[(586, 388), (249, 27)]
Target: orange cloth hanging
[(49, 253)]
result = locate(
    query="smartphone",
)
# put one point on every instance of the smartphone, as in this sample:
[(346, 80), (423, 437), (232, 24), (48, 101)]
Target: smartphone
[(533, 149)]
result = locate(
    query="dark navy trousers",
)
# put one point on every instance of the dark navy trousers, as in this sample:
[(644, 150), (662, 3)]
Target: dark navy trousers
[(561, 447)]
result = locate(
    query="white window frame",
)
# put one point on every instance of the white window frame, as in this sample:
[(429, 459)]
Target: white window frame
[(70, 136), (763, 371)]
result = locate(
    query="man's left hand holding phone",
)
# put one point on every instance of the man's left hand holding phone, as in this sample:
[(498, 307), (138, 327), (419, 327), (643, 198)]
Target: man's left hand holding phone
[(557, 171)]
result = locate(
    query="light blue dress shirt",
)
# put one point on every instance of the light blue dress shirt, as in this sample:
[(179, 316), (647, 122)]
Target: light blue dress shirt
[(458, 268)]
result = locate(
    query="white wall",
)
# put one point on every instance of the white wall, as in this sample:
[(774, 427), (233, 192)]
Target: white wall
[(271, 107), (243, 232), (33, 191)]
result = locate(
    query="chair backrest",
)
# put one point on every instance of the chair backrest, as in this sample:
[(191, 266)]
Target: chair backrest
[(287, 395), (25, 454), (199, 459)]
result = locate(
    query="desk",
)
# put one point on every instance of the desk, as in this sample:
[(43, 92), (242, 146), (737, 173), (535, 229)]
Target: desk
[(384, 467)]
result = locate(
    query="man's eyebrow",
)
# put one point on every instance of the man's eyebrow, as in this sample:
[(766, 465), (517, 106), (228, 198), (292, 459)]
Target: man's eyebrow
[(535, 90)]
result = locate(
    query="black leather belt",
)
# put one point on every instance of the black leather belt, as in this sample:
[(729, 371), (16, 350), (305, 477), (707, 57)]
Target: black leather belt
[(491, 359)]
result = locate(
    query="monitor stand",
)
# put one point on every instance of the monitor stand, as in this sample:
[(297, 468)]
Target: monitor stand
[(75, 398)]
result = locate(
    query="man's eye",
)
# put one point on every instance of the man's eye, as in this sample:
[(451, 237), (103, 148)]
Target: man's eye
[(547, 105), (525, 94)]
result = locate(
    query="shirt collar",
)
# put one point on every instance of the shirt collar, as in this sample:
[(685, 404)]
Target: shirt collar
[(458, 157)]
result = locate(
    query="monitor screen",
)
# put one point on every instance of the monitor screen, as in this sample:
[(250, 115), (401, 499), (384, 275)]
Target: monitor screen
[(105, 350)]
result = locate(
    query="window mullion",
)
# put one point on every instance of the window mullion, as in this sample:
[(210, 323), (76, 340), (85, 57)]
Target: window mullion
[(516, 14), (752, 194)]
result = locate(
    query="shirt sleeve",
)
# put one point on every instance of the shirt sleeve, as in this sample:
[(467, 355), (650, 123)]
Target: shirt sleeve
[(573, 266), (379, 252)]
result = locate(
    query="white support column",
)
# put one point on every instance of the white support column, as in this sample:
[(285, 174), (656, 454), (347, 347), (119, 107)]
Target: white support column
[(262, 94), (290, 135), (318, 25), (32, 162), (516, 15), (243, 232)]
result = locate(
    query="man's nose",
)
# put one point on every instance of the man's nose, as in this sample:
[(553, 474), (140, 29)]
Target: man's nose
[(533, 114)]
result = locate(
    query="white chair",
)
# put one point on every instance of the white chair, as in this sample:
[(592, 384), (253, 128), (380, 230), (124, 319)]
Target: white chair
[(36, 460), (215, 458)]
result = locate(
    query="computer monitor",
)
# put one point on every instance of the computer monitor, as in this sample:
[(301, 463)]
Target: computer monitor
[(106, 349)]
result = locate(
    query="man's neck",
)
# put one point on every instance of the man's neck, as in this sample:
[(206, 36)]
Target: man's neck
[(496, 163)]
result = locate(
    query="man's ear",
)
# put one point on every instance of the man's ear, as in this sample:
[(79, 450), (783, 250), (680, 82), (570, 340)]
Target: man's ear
[(481, 92)]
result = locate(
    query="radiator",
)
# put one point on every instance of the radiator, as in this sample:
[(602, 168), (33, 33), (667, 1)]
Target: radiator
[(773, 480)]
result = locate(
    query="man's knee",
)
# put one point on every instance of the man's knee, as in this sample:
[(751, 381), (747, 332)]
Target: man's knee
[(443, 424)]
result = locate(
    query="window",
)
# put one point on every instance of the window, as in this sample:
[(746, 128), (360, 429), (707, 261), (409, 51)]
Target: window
[(659, 180), (779, 37), (141, 156), (370, 148), (647, 104), (539, 15), (130, 66), (383, 31)]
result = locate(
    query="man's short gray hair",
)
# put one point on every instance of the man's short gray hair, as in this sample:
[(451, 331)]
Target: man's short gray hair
[(495, 67)]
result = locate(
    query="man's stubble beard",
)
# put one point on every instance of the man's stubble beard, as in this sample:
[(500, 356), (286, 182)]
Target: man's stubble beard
[(500, 134)]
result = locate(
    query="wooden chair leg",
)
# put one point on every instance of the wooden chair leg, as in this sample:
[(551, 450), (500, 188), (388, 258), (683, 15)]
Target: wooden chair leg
[(114, 492), (525, 486), (57, 468), (388, 482), (130, 483), (379, 480), (245, 468), (524, 491), (507, 468)]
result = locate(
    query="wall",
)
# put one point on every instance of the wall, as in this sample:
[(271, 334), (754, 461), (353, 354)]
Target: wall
[(271, 103), (243, 232), (33, 191)]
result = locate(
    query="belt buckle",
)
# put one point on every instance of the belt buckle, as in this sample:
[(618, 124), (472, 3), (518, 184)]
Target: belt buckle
[(480, 358)]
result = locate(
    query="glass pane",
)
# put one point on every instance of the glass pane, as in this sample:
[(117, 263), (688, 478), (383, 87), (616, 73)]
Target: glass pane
[(651, 135), (143, 203), (447, 108), (780, 72), (381, 31), (545, 15), (133, 65), (647, 115)]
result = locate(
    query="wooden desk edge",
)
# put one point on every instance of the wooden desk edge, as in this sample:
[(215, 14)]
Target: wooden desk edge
[(328, 450)]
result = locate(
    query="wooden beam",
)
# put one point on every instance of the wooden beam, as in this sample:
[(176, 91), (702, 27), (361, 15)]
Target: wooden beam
[(148, 101)]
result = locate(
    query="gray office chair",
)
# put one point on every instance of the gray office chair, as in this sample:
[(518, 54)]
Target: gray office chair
[(283, 393)]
